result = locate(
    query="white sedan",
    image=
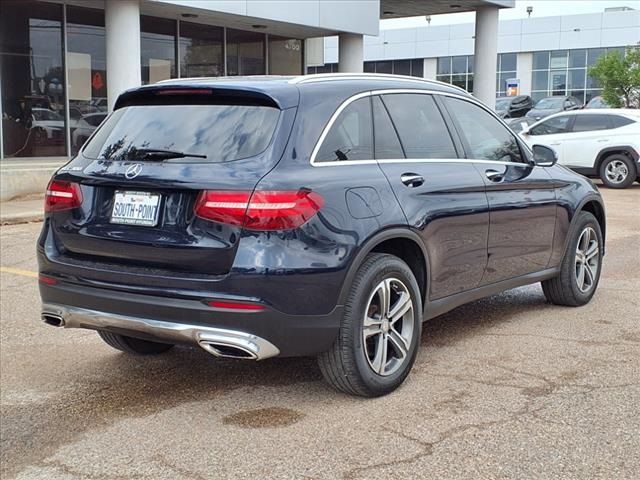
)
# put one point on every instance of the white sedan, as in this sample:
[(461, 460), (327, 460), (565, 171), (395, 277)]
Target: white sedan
[(602, 143)]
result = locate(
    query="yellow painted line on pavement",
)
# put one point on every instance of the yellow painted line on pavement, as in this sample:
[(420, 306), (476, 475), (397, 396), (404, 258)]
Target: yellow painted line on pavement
[(19, 271)]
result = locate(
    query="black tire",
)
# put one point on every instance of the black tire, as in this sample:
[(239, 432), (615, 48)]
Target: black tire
[(563, 289), (347, 366), (630, 169), (133, 345)]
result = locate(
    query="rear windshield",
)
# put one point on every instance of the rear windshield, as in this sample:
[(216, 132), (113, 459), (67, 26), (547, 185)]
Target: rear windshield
[(222, 133), (546, 103), (502, 103)]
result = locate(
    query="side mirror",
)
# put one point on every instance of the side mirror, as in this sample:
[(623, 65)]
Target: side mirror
[(525, 128), (544, 156)]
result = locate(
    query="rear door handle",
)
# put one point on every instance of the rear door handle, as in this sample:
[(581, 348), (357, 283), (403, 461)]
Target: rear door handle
[(494, 175), (412, 179)]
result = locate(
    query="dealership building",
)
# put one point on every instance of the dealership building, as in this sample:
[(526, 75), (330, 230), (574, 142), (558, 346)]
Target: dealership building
[(64, 62), (542, 56)]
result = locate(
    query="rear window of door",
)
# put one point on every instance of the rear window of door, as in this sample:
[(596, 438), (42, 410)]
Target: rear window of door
[(350, 136), (486, 137), (589, 122), (552, 126), (420, 126), (387, 143)]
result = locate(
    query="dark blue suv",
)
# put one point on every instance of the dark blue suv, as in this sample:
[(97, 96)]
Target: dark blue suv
[(321, 215)]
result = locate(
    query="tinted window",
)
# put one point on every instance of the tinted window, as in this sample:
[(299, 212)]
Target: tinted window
[(618, 121), (487, 138), (350, 137), (588, 123), (387, 144), (95, 120), (552, 126), (503, 103), (221, 132), (420, 126), (550, 102)]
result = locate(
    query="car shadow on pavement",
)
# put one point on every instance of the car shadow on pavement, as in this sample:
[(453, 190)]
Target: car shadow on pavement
[(113, 387)]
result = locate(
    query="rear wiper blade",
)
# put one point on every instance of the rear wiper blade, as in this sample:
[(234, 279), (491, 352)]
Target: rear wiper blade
[(154, 153)]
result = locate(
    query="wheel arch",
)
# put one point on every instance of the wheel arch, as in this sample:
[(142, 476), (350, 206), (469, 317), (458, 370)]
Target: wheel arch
[(627, 150), (401, 242), (594, 205)]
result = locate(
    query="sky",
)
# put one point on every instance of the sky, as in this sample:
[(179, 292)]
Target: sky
[(541, 8)]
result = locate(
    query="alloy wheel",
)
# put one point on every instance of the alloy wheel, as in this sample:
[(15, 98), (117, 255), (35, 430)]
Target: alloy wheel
[(387, 330), (587, 259), (616, 171)]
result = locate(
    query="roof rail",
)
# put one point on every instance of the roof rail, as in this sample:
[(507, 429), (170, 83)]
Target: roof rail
[(321, 77)]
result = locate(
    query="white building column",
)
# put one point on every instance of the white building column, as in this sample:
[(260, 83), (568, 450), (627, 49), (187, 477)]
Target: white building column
[(430, 68), (524, 69), (486, 55), (350, 53), (122, 32)]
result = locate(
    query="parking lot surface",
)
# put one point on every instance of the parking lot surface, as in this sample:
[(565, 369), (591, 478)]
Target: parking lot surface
[(505, 387)]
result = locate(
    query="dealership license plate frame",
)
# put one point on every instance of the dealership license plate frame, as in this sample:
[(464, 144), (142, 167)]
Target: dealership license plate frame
[(131, 196)]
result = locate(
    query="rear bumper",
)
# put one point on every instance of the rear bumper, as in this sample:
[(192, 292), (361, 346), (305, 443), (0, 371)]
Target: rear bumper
[(260, 335), (218, 341)]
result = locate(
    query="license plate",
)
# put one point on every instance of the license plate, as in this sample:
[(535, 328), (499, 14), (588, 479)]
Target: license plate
[(135, 208)]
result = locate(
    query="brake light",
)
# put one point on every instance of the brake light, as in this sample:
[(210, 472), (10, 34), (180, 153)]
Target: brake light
[(185, 91), (62, 196), (266, 210)]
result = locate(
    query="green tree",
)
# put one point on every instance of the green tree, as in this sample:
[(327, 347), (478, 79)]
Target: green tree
[(620, 77)]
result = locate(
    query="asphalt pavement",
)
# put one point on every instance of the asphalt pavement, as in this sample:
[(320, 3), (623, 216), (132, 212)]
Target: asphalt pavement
[(505, 387)]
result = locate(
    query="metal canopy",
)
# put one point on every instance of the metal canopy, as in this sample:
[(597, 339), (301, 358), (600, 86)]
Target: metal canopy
[(416, 8)]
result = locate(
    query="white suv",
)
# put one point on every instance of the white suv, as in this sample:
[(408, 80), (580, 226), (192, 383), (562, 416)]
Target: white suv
[(601, 143)]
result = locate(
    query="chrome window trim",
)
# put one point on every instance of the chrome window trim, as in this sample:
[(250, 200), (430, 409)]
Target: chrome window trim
[(348, 163), (420, 91)]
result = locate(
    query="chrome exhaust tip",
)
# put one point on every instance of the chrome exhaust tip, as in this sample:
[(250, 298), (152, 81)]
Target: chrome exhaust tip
[(53, 319), (224, 350)]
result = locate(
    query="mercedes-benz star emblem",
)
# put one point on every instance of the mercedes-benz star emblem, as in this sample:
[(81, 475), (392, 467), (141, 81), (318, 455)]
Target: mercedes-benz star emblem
[(133, 171)]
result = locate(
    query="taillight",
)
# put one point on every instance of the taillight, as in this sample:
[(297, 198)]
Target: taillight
[(62, 196), (266, 210)]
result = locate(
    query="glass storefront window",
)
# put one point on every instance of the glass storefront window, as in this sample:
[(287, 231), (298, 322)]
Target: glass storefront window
[(508, 62), (540, 80), (384, 67), (541, 60), (87, 72), (444, 66), (285, 56), (576, 79), (201, 50), (558, 59), (459, 81), (32, 71), (572, 75), (157, 49), (558, 82), (594, 54), (417, 67), (577, 58), (458, 65), (245, 53), (402, 67)]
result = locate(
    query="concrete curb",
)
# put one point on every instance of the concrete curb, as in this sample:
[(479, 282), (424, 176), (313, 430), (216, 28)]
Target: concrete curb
[(23, 217)]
